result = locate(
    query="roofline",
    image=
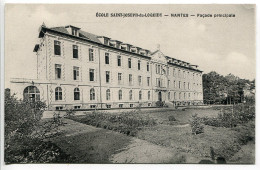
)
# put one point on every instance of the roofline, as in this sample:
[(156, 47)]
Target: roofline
[(107, 46), (99, 44), (185, 67)]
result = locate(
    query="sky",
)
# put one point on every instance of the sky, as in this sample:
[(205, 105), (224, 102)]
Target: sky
[(224, 45)]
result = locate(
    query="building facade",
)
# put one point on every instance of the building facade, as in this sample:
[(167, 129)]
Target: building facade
[(80, 70)]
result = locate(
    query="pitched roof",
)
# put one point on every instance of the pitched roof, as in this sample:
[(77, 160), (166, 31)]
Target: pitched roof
[(83, 34)]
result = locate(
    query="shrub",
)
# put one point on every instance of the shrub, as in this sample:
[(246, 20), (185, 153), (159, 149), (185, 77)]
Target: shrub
[(159, 104), (128, 123), (196, 125), (171, 118), (26, 135)]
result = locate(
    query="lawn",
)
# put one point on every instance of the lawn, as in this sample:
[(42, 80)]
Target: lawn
[(176, 135)]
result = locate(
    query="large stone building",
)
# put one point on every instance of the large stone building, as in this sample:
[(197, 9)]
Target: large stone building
[(80, 70)]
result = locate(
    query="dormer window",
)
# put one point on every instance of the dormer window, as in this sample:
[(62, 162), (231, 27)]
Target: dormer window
[(123, 48), (74, 32)]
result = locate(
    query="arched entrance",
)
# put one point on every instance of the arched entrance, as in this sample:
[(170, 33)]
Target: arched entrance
[(31, 93), (159, 96)]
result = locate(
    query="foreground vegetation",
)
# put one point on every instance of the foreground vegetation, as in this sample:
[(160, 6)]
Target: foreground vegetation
[(27, 136), (219, 132)]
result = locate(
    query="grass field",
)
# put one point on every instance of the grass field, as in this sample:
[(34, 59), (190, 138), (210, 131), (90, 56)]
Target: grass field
[(223, 142)]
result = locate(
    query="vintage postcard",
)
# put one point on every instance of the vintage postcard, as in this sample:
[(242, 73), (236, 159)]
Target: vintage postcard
[(129, 83)]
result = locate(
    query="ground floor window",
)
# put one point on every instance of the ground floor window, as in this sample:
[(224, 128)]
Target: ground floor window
[(76, 107), (108, 106), (92, 106), (31, 93), (131, 105), (59, 108), (120, 105)]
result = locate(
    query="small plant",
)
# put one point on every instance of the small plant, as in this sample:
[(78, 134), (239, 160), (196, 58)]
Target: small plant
[(172, 118), (70, 112), (196, 125)]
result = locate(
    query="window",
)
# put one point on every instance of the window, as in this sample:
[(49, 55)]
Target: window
[(158, 70), (188, 85), (107, 76), (57, 71), (169, 83), (76, 107), (107, 58), (180, 95), (74, 32), (174, 95), (130, 79), (108, 106), (184, 95), (91, 54), (91, 74), (179, 84), (149, 95), (148, 81), (131, 105), (168, 72), (119, 77), (130, 95), (148, 67), (158, 82), (120, 105), (149, 104), (75, 51), (59, 108), (92, 106), (31, 93), (179, 73), (119, 60), (120, 95), (140, 95), (139, 64), (189, 95), (57, 48), (129, 63), (184, 84), (75, 73), (92, 94), (184, 74), (169, 95), (139, 80), (108, 94), (174, 82), (76, 94), (58, 93), (173, 72)]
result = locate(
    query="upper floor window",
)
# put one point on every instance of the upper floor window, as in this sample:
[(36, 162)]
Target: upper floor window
[(184, 85), (119, 77), (169, 95), (108, 94), (188, 85), (119, 60), (180, 95), (174, 95), (107, 58), (174, 83), (169, 83), (74, 32), (75, 51), (75, 73), (58, 93), (120, 95), (149, 95), (91, 54), (139, 80), (57, 50), (148, 81), (91, 74), (139, 64), (92, 94), (179, 84), (76, 94), (107, 76), (140, 95), (158, 82), (57, 71), (129, 63), (148, 67), (130, 79), (130, 95)]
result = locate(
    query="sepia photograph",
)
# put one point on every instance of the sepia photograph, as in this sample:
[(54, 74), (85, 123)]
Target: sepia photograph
[(129, 84)]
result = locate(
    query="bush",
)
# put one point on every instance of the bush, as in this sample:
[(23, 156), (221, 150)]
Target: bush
[(171, 118), (159, 104), (196, 125), (128, 123), (25, 134)]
